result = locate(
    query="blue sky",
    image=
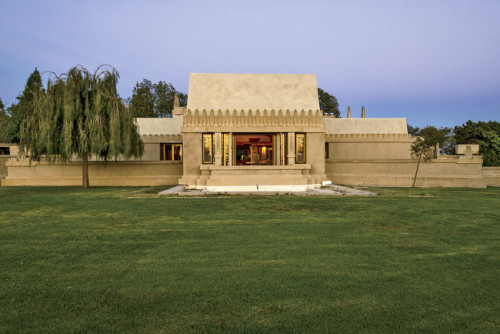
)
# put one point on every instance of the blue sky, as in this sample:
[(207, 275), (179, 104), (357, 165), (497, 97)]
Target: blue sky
[(434, 62)]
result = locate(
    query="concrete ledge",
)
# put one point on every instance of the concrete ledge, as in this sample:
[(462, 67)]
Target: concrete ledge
[(259, 188), (247, 168)]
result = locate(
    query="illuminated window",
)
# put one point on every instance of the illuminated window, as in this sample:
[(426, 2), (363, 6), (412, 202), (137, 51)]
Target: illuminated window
[(283, 149), (225, 148), (170, 151), (300, 148), (208, 148)]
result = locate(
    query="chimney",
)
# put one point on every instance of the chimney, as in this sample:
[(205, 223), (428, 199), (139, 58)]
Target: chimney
[(348, 112), (363, 114)]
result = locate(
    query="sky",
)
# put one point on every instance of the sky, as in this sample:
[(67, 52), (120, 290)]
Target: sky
[(434, 62)]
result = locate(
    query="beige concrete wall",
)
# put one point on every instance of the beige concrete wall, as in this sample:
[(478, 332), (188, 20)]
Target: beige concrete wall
[(400, 172), (462, 148), (365, 125), (252, 91), (491, 176), (192, 161), (3, 168), (151, 151), (253, 175), (369, 150), (3, 158), (116, 173), (369, 146), (315, 156), (160, 126)]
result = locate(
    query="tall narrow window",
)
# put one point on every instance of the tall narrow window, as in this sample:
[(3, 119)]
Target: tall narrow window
[(300, 148), (283, 149), (327, 150), (208, 148), (170, 151), (225, 148)]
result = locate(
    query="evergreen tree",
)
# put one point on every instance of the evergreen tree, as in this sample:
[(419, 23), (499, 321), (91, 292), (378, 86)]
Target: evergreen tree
[(142, 102), (328, 103), (155, 100), (21, 109), (6, 125), (164, 98), (80, 114)]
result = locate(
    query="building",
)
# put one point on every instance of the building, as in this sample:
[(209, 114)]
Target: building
[(243, 132)]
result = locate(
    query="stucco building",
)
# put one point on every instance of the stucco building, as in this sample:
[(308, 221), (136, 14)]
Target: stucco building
[(262, 132)]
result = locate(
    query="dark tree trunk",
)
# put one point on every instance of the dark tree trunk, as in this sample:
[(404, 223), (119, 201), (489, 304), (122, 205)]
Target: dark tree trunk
[(85, 170), (418, 165)]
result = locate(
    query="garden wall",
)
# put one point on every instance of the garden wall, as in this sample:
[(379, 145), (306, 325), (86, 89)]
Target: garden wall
[(441, 172), (111, 173), (491, 176)]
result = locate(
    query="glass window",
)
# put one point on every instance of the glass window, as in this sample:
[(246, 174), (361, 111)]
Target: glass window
[(4, 150), (225, 147), (300, 148), (208, 148), (283, 149), (170, 151)]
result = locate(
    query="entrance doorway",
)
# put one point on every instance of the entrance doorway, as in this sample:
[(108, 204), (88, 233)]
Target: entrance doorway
[(254, 149)]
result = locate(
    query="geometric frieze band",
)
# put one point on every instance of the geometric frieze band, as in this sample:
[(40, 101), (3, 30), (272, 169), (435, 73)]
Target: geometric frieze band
[(253, 118)]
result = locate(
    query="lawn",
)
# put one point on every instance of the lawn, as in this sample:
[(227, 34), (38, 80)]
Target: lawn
[(409, 260)]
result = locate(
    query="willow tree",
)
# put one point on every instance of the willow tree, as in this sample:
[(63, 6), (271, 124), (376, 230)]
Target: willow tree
[(80, 114)]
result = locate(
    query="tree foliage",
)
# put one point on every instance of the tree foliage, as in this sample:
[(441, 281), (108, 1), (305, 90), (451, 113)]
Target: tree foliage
[(486, 134), (328, 103), (81, 114), (7, 128), (19, 111), (412, 130), (155, 100), (431, 134), (142, 101), (427, 139)]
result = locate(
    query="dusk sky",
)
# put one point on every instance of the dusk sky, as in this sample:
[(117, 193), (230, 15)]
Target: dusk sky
[(434, 62)]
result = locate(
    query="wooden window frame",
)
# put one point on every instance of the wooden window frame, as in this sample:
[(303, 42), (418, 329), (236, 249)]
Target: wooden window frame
[(297, 161), (163, 151), (212, 148)]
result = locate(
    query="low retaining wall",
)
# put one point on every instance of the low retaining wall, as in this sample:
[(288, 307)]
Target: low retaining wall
[(3, 162), (111, 173), (441, 172), (491, 176), (261, 177)]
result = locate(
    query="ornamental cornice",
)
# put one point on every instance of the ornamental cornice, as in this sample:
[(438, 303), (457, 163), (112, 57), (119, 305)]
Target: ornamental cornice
[(195, 119), (363, 137), (161, 138)]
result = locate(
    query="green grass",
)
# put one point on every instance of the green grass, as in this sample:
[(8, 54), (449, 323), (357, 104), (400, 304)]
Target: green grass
[(97, 261)]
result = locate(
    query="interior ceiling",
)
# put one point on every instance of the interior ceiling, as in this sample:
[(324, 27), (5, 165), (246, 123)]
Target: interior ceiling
[(247, 138)]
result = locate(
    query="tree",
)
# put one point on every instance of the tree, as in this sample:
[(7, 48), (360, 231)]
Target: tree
[(486, 134), (441, 136), (427, 140), (328, 103), (80, 114), (19, 110), (412, 130), (142, 101), (6, 125), (155, 100)]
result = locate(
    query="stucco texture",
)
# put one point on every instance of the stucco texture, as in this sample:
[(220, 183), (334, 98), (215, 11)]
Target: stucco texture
[(252, 91)]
